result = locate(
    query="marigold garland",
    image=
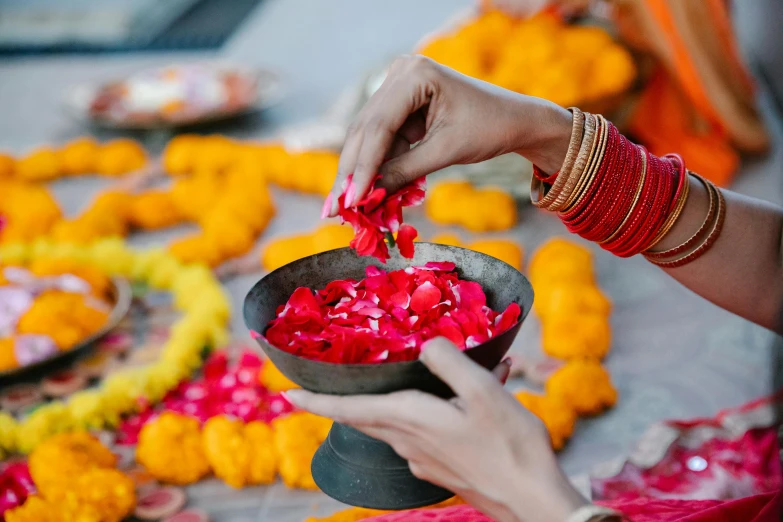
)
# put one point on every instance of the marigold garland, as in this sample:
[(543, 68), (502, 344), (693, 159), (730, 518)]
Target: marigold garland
[(283, 250), (240, 454), (540, 56), (503, 249), (477, 209), (197, 295), (76, 481), (171, 449)]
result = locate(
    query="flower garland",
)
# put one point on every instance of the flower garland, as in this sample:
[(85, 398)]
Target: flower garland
[(76, 479), (477, 209), (197, 295), (539, 56)]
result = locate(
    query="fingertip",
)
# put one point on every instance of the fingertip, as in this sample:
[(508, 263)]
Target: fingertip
[(295, 396)]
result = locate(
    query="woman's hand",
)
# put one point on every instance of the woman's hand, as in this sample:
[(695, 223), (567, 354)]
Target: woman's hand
[(482, 445), (452, 119)]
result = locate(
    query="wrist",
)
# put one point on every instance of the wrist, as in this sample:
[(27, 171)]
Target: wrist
[(546, 136)]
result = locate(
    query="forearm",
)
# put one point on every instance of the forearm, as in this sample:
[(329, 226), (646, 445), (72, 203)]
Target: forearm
[(741, 272)]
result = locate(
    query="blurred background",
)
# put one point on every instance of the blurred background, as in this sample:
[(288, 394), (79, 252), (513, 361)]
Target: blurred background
[(207, 132)]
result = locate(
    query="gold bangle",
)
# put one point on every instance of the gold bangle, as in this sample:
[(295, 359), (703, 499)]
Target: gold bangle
[(536, 185), (674, 216), (614, 234), (593, 166), (585, 151), (687, 244)]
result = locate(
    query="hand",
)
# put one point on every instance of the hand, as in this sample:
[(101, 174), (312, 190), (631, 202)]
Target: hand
[(528, 8), (452, 119), (482, 445)]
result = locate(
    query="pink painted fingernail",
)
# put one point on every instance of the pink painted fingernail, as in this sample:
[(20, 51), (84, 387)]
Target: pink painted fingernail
[(350, 194), (327, 208)]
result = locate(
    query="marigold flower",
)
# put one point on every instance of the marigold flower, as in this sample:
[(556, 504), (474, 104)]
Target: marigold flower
[(195, 248), (154, 209), (477, 209), (558, 416), (98, 281), (67, 318), (180, 153), (578, 336), (171, 449), (8, 429), (571, 300), (56, 461), (7, 355), (42, 164), (119, 157), (281, 251), (100, 494), (194, 196), (35, 509), (240, 454), (355, 514), (502, 249), (7, 166), (79, 156), (273, 379), (296, 437), (583, 384)]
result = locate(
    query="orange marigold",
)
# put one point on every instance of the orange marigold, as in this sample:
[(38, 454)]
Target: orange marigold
[(7, 166), (563, 300), (171, 449), (557, 415), (273, 379), (477, 209), (79, 156), (66, 317), (579, 336), (240, 454), (180, 153), (99, 282), (583, 384), (119, 157), (297, 436), (153, 210), (7, 355), (99, 494), (42, 164), (502, 249), (57, 460)]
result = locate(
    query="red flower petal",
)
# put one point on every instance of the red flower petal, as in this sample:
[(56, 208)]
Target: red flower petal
[(442, 266), (405, 238), (425, 297)]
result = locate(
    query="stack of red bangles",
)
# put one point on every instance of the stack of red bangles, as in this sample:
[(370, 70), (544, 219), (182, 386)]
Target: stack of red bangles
[(617, 194)]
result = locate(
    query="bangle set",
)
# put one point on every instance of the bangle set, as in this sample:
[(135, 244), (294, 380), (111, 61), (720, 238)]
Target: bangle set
[(620, 196)]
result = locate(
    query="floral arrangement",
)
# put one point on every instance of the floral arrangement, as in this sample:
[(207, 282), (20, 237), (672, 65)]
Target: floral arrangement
[(49, 308), (75, 478), (539, 56), (386, 317), (477, 209), (197, 295), (78, 157)]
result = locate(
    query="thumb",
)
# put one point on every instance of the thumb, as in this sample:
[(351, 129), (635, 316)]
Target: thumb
[(466, 378)]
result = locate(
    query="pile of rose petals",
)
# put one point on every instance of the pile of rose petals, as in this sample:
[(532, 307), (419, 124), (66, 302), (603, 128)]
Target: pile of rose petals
[(223, 389), (16, 485), (379, 214), (386, 317)]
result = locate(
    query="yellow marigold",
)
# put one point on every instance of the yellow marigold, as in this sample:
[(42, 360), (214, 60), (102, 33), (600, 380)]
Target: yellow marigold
[(42, 164), (14, 254), (100, 494), (488, 34), (240, 454), (558, 416), (35, 509), (613, 71), (98, 280), (502, 249), (79, 156), (273, 379), (56, 461), (153, 210), (119, 157), (180, 153), (569, 300), (8, 429), (7, 355), (194, 196), (7, 166), (227, 236), (577, 336), (477, 209), (195, 248), (171, 449), (583, 384), (88, 410), (312, 172), (284, 250), (457, 53), (45, 421), (276, 162), (111, 255), (560, 261), (297, 436), (214, 154)]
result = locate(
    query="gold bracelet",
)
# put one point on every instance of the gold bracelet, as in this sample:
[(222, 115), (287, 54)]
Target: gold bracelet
[(585, 151), (593, 166), (643, 152), (691, 241), (537, 195), (674, 216)]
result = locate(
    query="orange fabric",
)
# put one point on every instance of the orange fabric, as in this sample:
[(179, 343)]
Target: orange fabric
[(699, 101)]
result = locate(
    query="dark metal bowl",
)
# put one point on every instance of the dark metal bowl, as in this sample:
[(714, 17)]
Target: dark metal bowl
[(350, 466)]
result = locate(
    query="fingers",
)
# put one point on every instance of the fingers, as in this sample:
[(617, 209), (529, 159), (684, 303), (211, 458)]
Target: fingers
[(502, 371), (468, 380), (400, 409), (423, 159)]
